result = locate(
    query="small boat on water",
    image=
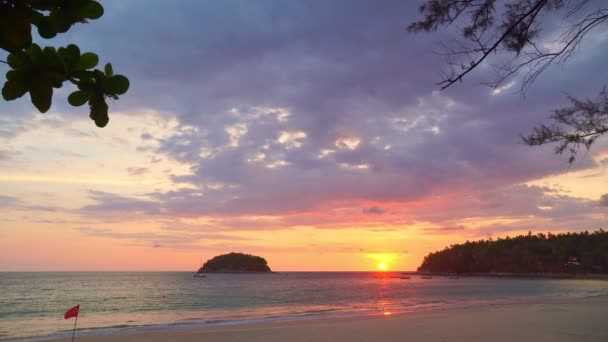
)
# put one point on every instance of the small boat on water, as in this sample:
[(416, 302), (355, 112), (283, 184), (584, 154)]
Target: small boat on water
[(453, 277), (404, 277), (199, 274), (426, 277)]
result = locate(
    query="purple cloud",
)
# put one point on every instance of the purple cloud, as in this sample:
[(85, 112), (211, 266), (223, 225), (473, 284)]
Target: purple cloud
[(112, 204), (156, 240), (6, 201), (604, 200), (444, 230), (373, 210), (137, 171)]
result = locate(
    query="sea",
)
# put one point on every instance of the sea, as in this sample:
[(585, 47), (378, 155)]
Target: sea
[(32, 305)]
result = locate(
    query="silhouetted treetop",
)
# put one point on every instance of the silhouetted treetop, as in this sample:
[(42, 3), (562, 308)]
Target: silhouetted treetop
[(551, 253)]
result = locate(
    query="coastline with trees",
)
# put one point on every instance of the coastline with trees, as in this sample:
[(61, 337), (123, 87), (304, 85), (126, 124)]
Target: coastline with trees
[(583, 254)]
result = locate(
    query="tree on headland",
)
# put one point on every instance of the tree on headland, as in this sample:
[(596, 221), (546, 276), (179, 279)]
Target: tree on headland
[(36, 70), (511, 37), (542, 253)]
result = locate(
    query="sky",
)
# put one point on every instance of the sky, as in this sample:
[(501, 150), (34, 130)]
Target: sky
[(310, 133)]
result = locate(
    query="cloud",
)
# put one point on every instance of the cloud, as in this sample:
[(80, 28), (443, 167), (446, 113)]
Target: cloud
[(40, 208), (6, 201), (604, 200), (373, 210), (81, 133), (500, 89), (110, 204), (16, 203), (10, 127), (69, 154), (136, 171), (443, 230), (509, 207), (158, 240), (6, 155)]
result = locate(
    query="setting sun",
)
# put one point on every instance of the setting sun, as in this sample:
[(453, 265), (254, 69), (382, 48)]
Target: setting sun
[(382, 266)]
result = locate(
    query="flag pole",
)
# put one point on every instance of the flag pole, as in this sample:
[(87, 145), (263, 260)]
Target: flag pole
[(74, 331)]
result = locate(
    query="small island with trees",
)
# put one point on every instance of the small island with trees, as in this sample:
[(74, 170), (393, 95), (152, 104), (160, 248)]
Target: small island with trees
[(581, 254), (235, 263)]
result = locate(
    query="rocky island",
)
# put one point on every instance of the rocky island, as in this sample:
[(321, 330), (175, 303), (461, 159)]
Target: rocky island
[(235, 263)]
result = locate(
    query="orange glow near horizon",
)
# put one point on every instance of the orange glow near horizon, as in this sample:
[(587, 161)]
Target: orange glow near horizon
[(54, 218)]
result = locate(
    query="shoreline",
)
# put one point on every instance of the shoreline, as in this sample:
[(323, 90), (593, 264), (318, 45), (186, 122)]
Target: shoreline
[(223, 301), (576, 314), (191, 324)]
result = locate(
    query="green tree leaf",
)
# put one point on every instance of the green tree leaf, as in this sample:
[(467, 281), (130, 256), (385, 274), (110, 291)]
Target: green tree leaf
[(91, 10), (99, 110), (17, 60), (35, 54), (56, 78), (117, 85), (78, 98), (86, 84), (108, 70), (87, 60), (12, 74), (72, 55), (41, 94), (14, 89), (51, 59), (60, 21), (46, 29)]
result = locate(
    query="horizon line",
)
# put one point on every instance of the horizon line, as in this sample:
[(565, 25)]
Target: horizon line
[(125, 271)]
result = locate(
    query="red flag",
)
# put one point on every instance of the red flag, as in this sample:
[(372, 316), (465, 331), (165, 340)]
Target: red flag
[(73, 312)]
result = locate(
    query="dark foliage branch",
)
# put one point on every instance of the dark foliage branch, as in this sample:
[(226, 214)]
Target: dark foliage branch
[(575, 126), (483, 37), (38, 71), (531, 63), (515, 32)]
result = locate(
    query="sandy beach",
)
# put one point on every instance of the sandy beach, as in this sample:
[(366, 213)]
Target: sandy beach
[(570, 320)]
